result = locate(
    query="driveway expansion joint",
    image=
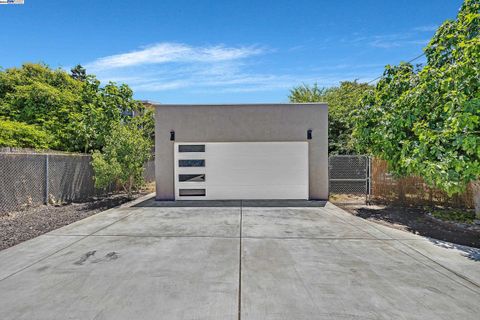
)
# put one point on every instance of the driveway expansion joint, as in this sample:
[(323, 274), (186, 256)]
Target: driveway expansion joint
[(240, 264)]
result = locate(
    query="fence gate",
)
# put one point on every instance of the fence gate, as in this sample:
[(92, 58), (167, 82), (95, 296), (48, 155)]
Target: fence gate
[(349, 174)]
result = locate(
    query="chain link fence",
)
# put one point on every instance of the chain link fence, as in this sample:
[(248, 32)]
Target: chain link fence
[(70, 178), (22, 180), (349, 175), (31, 179)]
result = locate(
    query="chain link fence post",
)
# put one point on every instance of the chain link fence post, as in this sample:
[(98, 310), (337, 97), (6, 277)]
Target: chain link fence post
[(47, 192)]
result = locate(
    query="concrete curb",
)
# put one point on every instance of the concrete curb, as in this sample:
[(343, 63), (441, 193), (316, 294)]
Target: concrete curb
[(136, 201)]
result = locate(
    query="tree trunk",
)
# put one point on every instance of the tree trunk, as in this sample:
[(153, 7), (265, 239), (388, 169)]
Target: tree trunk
[(130, 186), (430, 197), (476, 197), (401, 192)]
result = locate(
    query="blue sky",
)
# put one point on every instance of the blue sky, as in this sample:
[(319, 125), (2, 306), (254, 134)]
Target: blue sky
[(220, 51)]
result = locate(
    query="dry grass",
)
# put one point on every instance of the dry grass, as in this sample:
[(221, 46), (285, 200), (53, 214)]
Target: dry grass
[(149, 187), (347, 198)]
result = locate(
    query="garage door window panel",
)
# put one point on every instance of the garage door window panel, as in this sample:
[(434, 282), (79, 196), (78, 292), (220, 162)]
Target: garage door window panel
[(191, 163), (191, 177), (191, 148), (192, 192)]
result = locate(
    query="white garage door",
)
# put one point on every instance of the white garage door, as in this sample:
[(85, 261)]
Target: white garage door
[(241, 170)]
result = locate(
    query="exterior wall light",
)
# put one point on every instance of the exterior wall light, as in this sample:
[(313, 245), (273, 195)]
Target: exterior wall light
[(172, 135), (309, 134)]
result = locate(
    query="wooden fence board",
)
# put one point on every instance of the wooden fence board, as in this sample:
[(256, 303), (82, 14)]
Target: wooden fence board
[(412, 191)]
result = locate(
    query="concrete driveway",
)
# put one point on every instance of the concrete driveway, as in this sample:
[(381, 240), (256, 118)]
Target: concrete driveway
[(236, 262)]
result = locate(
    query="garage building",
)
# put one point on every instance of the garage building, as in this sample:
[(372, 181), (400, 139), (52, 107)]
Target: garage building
[(241, 151)]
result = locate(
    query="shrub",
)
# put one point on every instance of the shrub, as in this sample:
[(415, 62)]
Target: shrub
[(23, 135), (122, 159), (454, 215)]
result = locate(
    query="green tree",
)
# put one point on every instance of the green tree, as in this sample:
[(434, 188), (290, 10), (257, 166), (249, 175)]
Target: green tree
[(122, 159), (341, 100), (426, 121), (146, 122), (74, 109), (47, 98), (307, 94), (78, 73), (22, 135), (104, 108)]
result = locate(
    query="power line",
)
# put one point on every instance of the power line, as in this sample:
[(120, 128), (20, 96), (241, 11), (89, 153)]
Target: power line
[(380, 76), (417, 57), (409, 61)]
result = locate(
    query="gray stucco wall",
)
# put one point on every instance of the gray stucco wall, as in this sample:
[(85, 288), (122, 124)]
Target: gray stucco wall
[(241, 123)]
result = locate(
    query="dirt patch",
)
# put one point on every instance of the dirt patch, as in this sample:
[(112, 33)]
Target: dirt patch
[(347, 199), (415, 221), (19, 226)]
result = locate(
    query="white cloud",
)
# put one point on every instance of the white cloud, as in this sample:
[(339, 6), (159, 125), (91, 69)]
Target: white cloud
[(215, 69), (429, 28), (396, 43), (390, 40), (167, 52), (160, 85)]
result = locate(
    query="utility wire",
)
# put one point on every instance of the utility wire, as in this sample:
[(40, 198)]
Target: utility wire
[(409, 61), (380, 76)]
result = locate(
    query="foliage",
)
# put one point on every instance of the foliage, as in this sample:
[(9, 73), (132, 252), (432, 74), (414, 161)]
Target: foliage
[(78, 73), (106, 108), (341, 102), (454, 215), (74, 109), (47, 98), (22, 135), (146, 123), (426, 121), (124, 155), (306, 94)]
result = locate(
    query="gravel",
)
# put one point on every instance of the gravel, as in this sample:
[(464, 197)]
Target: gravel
[(19, 226)]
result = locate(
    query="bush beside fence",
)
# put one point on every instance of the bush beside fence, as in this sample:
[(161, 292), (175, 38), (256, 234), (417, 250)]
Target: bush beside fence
[(32, 179)]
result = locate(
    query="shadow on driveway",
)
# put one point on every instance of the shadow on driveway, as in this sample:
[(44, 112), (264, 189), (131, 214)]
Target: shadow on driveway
[(416, 221), (468, 252)]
